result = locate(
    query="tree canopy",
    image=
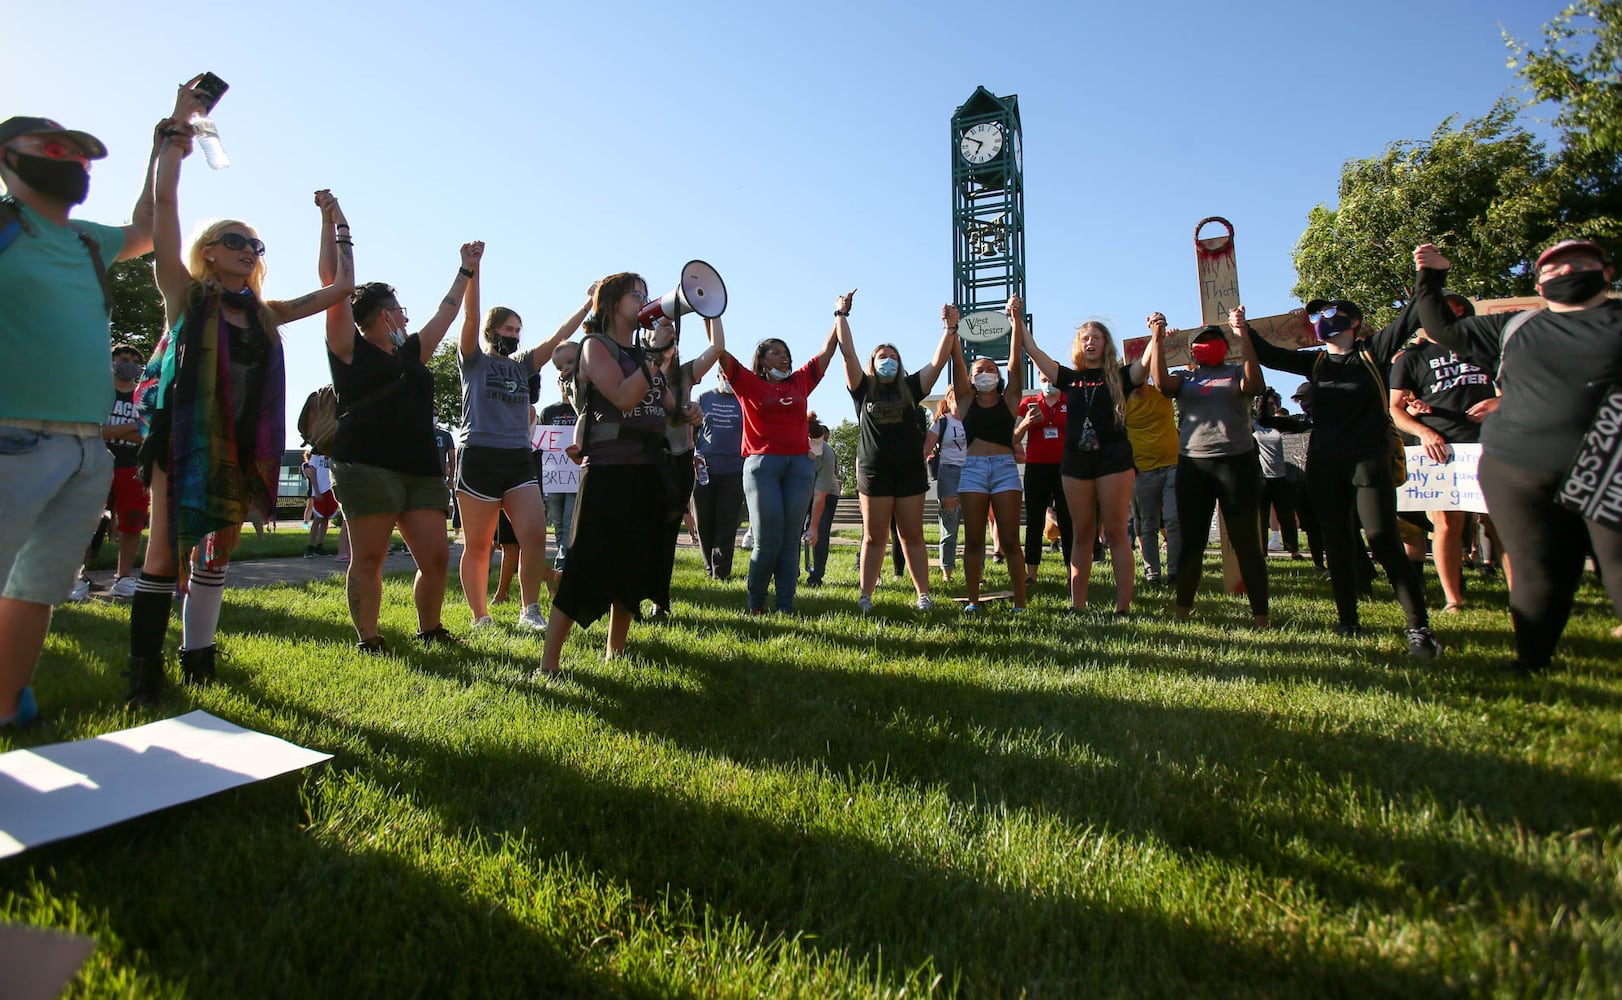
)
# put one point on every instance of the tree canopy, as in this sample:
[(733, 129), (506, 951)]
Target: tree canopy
[(1487, 190)]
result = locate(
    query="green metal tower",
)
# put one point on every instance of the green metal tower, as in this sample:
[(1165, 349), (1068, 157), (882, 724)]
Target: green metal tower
[(988, 220)]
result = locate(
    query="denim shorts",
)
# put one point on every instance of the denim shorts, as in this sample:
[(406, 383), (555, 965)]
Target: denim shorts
[(364, 490), (53, 488), (989, 474)]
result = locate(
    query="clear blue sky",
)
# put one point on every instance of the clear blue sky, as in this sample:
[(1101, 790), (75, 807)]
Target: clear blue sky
[(803, 149)]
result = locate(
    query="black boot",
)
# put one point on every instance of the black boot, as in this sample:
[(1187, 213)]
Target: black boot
[(146, 680), (197, 665)]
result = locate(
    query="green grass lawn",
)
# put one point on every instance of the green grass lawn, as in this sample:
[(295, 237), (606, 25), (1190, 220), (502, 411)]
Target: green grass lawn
[(826, 805)]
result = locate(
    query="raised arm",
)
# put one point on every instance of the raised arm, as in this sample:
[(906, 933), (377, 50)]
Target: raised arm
[(138, 234), (1252, 381), (1170, 385), (168, 265), (1044, 364), (1280, 358), (548, 347), (336, 265), (1015, 389), (929, 373), (434, 330), (711, 354), (337, 273), (468, 344), (960, 368), (847, 344), (1476, 338)]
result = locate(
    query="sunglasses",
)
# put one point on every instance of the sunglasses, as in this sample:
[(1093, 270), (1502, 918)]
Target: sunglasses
[(1327, 312), (233, 241)]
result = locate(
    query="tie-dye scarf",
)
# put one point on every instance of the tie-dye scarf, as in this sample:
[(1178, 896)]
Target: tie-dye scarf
[(215, 480)]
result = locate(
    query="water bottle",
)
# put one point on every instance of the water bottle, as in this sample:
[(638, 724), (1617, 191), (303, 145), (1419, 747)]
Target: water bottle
[(208, 138), (703, 474)]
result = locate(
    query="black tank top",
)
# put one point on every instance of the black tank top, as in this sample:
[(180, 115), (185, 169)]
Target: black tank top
[(989, 423)]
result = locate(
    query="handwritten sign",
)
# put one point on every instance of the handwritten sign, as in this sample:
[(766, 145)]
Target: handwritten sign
[(1218, 270), (559, 474), (1288, 330), (1449, 485)]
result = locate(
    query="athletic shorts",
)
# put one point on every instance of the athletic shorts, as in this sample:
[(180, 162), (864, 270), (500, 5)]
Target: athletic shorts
[(486, 473), (893, 479), (989, 474), (364, 490), (129, 500), (1106, 461), (324, 505)]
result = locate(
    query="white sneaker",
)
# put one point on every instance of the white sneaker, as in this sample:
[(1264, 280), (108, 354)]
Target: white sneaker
[(81, 591), (479, 624), (925, 602), (124, 587), (532, 617), (864, 604)]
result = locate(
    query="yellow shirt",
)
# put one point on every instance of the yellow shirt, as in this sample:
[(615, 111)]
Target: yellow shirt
[(1152, 429)]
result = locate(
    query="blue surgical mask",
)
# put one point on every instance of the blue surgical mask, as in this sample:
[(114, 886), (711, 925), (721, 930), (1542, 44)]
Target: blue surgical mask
[(397, 338), (887, 367)]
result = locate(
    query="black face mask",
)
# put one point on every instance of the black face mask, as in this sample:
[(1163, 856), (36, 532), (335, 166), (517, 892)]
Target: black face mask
[(62, 180), (505, 346), (1573, 288)]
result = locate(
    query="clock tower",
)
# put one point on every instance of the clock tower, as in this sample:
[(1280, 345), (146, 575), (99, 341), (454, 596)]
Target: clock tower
[(988, 220)]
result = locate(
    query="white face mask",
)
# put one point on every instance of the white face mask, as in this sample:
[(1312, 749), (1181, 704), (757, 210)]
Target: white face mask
[(816, 446), (1049, 390), (887, 368), (984, 382), (777, 374)]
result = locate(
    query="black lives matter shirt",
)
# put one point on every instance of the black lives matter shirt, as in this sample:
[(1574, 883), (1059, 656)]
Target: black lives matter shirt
[(123, 412), (1449, 384)]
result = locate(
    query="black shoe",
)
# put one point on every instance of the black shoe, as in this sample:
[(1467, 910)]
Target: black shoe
[(309, 551), (375, 646), (197, 665), (1345, 631), (659, 616), (438, 636), (1422, 645), (145, 675)]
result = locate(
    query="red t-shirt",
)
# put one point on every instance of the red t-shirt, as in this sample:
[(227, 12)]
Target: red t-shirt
[(774, 413), (1044, 443)]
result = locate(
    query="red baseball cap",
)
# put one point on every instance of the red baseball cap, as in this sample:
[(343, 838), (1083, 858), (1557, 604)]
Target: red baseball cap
[(1567, 246)]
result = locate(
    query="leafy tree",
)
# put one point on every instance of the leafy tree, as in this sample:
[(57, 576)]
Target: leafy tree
[(1579, 69), (1482, 190), (137, 304), (843, 440), (447, 384)]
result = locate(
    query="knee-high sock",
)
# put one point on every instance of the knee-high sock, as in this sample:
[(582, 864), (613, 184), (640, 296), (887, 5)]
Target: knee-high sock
[(200, 614), (149, 613)]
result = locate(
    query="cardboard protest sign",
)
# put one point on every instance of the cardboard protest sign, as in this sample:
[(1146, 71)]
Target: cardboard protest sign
[(559, 473)]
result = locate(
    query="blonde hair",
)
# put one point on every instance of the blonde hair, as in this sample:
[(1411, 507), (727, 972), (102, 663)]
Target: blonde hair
[(1111, 365), (203, 275), (901, 372)]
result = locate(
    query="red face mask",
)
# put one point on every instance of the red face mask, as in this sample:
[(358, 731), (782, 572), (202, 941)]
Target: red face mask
[(1209, 353)]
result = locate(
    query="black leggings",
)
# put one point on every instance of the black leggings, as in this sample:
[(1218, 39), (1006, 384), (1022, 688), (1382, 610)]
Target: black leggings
[(1344, 493), (1233, 482), (681, 466), (1043, 488), (1279, 495), (1547, 546)]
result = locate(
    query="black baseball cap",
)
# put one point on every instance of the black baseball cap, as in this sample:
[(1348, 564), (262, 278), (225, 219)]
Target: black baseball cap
[(1209, 333), (21, 125), (1303, 391)]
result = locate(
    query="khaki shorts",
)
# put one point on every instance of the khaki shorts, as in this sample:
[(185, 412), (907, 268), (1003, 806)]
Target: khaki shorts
[(364, 490)]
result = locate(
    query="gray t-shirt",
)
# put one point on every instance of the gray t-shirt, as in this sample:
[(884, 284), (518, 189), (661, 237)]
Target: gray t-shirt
[(495, 400), (1270, 445), (1213, 417)]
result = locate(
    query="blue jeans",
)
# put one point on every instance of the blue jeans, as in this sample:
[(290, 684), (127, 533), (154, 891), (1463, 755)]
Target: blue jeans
[(945, 488), (1154, 505), (778, 491), (560, 512)]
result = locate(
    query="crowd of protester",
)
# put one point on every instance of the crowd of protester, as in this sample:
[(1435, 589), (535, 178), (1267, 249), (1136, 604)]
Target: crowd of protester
[(186, 444)]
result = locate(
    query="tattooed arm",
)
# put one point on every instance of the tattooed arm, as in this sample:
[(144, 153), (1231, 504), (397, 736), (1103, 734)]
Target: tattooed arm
[(335, 266), (434, 330)]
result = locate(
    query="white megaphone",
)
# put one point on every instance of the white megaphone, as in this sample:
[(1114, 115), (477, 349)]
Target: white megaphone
[(701, 291)]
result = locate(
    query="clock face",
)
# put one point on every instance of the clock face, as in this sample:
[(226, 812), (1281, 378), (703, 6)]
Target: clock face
[(981, 143)]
